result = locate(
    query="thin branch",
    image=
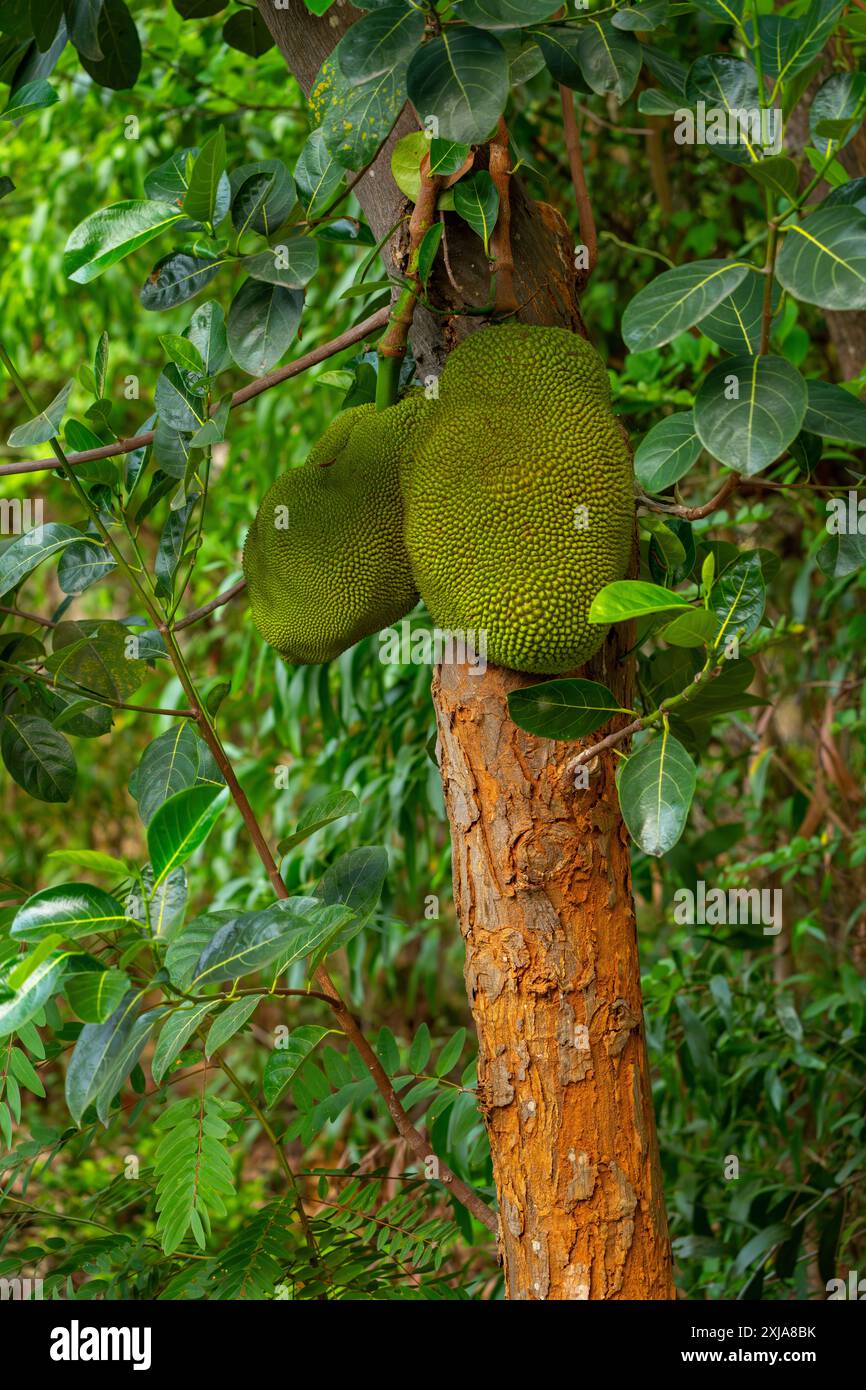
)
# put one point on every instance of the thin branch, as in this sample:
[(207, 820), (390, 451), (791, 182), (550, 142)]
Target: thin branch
[(730, 485), (27, 617), (246, 393), (225, 597), (500, 242), (578, 178)]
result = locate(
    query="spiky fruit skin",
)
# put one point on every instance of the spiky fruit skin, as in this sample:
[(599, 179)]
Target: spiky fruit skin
[(521, 438), (325, 559)]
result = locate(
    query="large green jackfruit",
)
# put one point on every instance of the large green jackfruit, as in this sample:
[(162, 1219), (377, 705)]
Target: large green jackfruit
[(325, 559), (518, 496)]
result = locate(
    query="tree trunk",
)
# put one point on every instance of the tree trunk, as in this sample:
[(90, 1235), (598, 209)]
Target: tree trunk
[(541, 870)]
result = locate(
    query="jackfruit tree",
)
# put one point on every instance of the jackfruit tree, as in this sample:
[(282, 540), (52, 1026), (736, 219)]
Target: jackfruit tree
[(578, 291)]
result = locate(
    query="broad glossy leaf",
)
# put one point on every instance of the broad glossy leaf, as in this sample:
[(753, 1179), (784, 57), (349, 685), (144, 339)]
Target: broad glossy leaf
[(105, 1054), (262, 323), (823, 259), (37, 757), (207, 333), (245, 943), (181, 825), (176, 278), (355, 880), (33, 96), (461, 78), (738, 598), (83, 563), (119, 45), (667, 452), (477, 202), (318, 175), (263, 196), (567, 709), (840, 99), (168, 765), (180, 407), (291, 263), (26, 552), (93, 994), (730, 85), (656, 787), (16, 1009), (379, 43), (105, 237), (505, 14), (68, 910), (201, 201), (98, 656), (695, 628), (610, 59), (834, 413), (735, 323), (749, 410), (82, 22), (632, 598), (247, 32), (677, 299)]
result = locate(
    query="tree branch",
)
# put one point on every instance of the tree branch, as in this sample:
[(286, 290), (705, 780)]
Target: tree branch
[(225, 597), (578, 178), (246, 393)]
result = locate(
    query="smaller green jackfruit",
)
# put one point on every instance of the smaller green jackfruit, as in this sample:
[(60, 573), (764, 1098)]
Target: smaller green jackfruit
[(325, 559)]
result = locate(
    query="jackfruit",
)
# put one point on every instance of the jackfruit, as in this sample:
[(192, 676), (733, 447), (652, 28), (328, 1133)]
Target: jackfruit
[(325, 559), (519, 496)]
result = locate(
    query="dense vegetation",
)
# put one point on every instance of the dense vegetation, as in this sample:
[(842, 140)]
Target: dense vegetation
[(243, 1149)]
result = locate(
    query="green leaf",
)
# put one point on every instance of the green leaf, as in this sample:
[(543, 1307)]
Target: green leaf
[(505, 14), (419, 1052), (262, 323), (105, 1054), (759, 1246), (91, 859), (176, 1032), (610, 60), (696, 628), (105, 237), (200, 201), (833, 412), (198, 9), (247, 32), (168, 765), (38, 987), (333, 806), (749, 410), (567, 709), (119, 46), (735, 323), (33, 96), (94, 994), (82, 564), (730, 85), (175, 279), (355, 881), (461, 78), (24, 554), (477, 202), (181, 825), (677, 299), (45, 425), (778, 173), (380, 43), (823, 259), (285, 1061), (291, 263), (428, 250), (207, 333), (450, 1054), (560, 46), (23, 1070), (193, 1166), (244, 943), (230, 1021), (182, 352), (96, 655), (656, 787), (37, 757), (82, 22), (355, 120), (263, 195), (178, 405), (738, 598), (318, 175), (632, 598), (667, 452), (213, 431), (838, 104), (69, 910), (447, 156), (649, 15)]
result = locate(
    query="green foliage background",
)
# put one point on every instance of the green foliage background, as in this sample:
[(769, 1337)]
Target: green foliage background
[(757, 1048)]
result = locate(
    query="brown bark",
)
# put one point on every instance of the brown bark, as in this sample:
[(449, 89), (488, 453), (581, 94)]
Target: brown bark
[(541, 871)]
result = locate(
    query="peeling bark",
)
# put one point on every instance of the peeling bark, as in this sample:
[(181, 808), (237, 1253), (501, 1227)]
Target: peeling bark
[(542, 877)]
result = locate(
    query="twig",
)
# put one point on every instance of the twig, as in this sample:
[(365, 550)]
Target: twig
[(392, 345), (578, 178), (225, 597), (27, 617), (246, 393), (730, 485), (500, 242)]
